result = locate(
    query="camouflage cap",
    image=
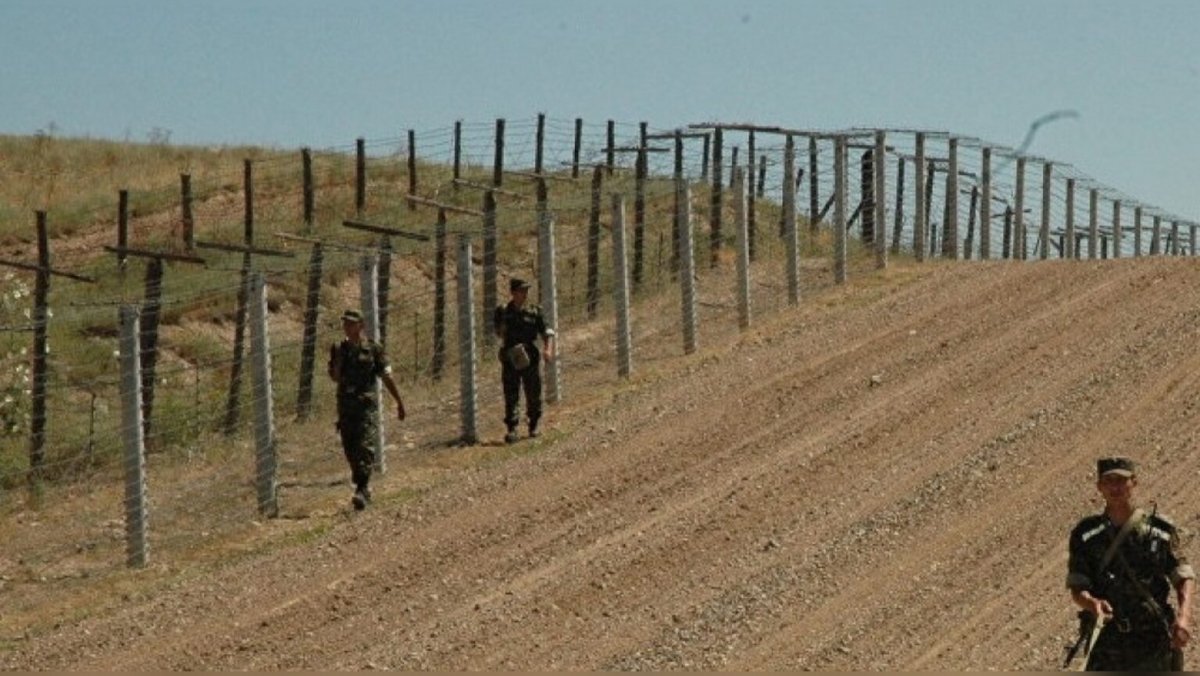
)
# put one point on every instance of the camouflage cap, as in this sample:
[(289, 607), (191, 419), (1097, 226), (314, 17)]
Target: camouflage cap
[(1120, 466), (352, 316), (516, 284)]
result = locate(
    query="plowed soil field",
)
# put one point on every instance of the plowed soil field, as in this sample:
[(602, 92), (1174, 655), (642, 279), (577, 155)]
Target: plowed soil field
[(882, 478)]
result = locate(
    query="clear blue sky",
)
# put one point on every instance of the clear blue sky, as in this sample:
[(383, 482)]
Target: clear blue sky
[(322, 73)]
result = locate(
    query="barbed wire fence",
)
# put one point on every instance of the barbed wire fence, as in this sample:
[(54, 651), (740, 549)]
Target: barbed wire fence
[(720, 223)]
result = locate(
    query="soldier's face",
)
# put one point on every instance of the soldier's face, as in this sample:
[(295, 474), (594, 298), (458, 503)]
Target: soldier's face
[(351, 329), (520, 295), (1116, 488)]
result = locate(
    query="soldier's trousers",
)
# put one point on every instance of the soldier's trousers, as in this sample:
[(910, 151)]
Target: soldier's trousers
[(357, 430), (514, 381), (1136, 652)]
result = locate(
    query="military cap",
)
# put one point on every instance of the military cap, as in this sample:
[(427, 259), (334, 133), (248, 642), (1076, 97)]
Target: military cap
[(352, 316), (516, 284), (1120, 466)]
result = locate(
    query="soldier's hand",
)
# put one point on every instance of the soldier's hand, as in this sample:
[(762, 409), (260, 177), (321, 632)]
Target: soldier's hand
[(1181, 634), (1102, 608), (400, 410)]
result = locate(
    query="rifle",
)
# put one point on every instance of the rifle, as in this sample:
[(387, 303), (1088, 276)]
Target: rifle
[(1089, 630)]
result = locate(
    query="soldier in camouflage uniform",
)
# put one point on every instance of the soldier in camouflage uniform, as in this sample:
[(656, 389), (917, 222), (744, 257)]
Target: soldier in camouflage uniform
[(1141, 631), (519, 325), (354, 364)]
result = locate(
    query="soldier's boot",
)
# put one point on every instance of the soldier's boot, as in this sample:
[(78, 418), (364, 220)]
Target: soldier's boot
[(511, 437), (362, 496), (533, 429)]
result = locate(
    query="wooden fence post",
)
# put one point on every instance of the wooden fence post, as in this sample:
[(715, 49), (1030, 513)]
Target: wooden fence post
[(839, 210), (185, 201), (308, 348), (466, 344), (593, 245), (264, 415), (498, 161), (704, 157), (578, 147), (1156, 236), (866, 204), (457, 153), (621, 288), (920, 205), (412, 168), (610, 148), (122, 229), (136, 549), (1175, 238), (307, 188), (360, 174)]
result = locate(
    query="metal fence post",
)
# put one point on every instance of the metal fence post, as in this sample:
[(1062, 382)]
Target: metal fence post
[(1020, 231), (920, 208), (136, 549), (1118, 233), (1093, 222), (1156, 236), (985, 204), (1137, 231), (950, 227), (743, 248), (1069, 240), (880, 166), (621, 288), (308, 347), (466, 343), (264, 419), (687, 268), (1044, 233), (791, 237), (839, 210), (369, 298), (1174, 238), (548, 283)]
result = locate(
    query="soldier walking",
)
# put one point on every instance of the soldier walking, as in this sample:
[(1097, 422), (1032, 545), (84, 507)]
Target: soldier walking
[(1122, 565), (354, 364), (519, 325)]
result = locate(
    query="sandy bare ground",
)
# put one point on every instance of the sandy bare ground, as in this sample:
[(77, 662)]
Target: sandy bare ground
[(766, 504)]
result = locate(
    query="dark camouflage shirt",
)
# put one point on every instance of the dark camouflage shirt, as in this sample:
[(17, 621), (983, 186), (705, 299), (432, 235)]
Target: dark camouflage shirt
[(1150, 553), (521, 325), (359, 366)]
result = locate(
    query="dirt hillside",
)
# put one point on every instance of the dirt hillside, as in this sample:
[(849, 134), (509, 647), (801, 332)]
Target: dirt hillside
[(881, 479)]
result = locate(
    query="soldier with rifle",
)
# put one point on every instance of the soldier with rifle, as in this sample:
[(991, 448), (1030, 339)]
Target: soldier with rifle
[(1122, 566)]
